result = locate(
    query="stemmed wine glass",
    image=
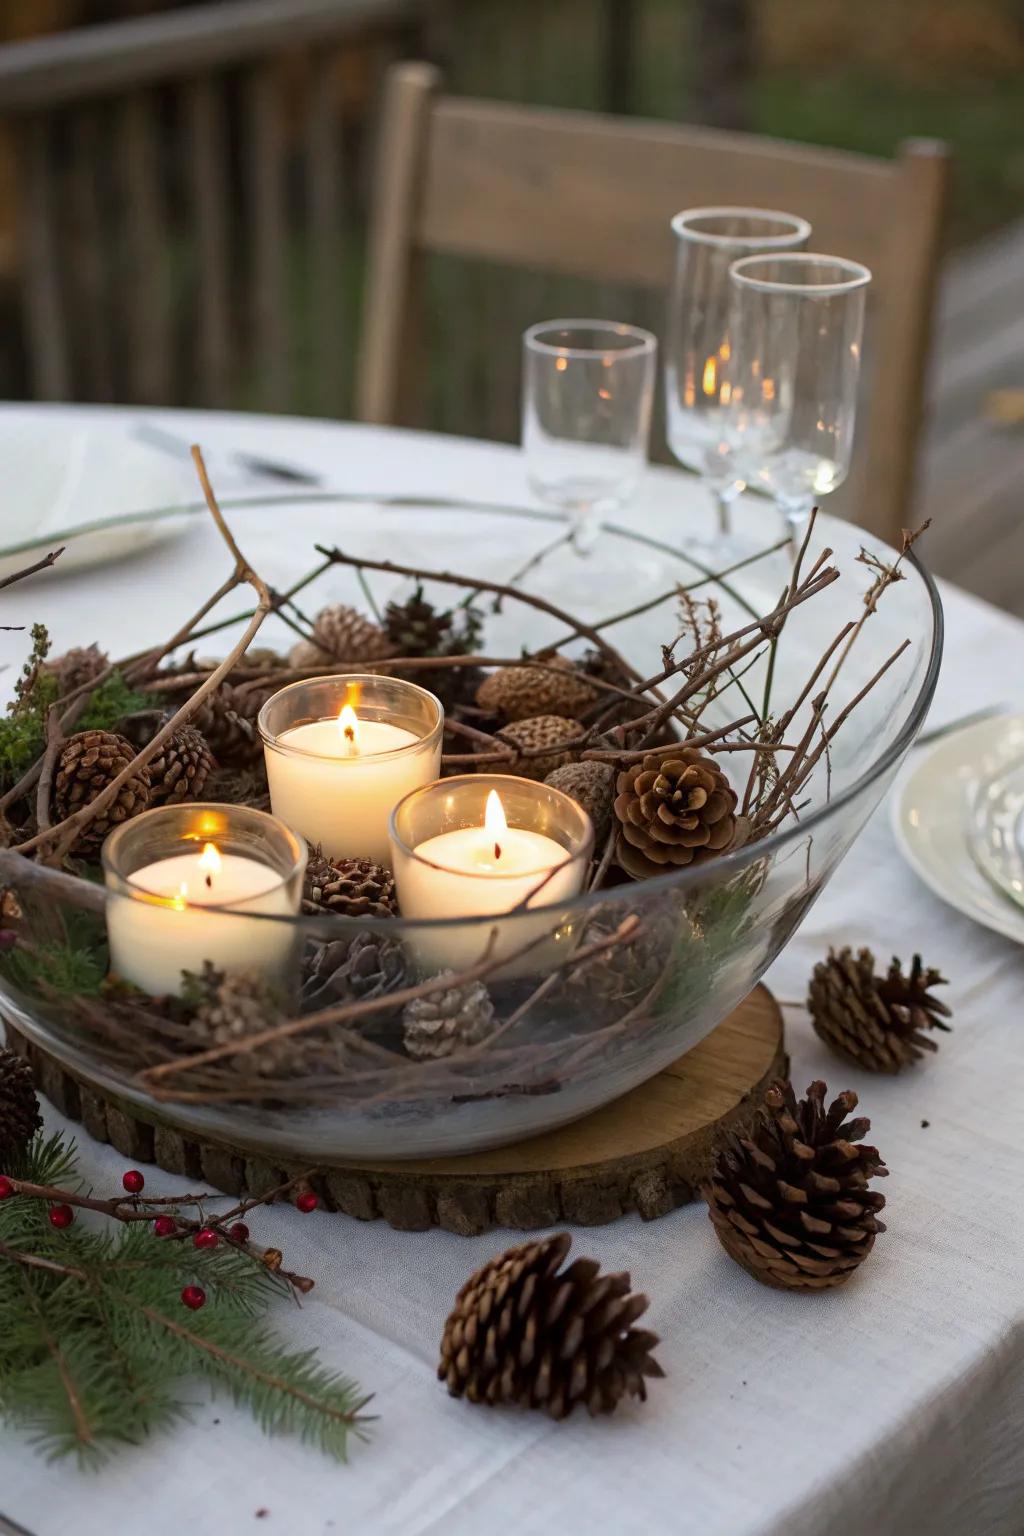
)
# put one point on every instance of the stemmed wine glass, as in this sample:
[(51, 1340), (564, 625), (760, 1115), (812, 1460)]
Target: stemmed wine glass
[(796, 323), (697, 387), (588, 388)]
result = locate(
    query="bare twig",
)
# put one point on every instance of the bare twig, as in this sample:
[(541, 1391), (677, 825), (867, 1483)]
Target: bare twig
[(30, 570)]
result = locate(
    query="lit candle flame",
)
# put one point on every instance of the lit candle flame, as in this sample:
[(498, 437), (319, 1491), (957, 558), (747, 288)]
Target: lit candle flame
[(709, 383), (495, 824), (209, 863), (348, 724)]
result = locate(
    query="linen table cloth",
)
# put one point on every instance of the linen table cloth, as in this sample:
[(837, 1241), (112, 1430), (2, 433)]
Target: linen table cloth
[(892, 1405)]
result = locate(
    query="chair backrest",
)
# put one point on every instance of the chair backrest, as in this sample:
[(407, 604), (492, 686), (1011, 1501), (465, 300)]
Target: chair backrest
[(582, 194), (185, 184)]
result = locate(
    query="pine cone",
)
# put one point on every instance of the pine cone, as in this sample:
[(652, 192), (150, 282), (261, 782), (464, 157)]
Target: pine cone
[(76, 668), (520, 1332), (181, 770), (349, 887), (591, 785), (19, 1107), (540, 731), (417, 628), (447, 1020), (241, 786), (520, 693), (229, 1009), (790, 1202), (227, 718), (343, 634), (875, 1021), (673, 811), (368, 964), (89, 762)]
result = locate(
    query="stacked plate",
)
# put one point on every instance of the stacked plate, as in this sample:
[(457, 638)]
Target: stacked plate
[(959, 821)]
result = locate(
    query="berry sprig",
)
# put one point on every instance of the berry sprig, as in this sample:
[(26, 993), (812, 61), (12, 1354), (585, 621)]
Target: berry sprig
[(170, 1219)]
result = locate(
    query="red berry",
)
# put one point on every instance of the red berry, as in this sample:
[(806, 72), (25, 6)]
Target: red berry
[(206, 1237), (193, 1297), (239, 1233), (164, 1226), (306, 1202), (133, 1182), (61, 1216), (7, 1189)]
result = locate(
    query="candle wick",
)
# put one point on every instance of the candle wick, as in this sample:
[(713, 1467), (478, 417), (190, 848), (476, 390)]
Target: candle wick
[(497, 850), (209, 882)]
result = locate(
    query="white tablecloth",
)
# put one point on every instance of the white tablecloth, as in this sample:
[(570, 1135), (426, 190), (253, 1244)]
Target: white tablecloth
[(894, 1405)]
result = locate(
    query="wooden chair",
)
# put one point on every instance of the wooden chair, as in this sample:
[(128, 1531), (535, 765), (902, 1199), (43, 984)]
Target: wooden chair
[(587, 195), (184, 221)]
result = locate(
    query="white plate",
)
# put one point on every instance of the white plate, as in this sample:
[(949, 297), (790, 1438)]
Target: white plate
[(930, 819), (90, 486)]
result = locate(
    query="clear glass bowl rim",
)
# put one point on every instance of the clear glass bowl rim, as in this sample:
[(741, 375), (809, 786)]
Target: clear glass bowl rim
[(682, 229)]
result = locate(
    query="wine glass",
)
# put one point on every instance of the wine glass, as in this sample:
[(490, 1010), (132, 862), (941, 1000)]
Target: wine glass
[(796, 326), (708, 241), (588, 389)]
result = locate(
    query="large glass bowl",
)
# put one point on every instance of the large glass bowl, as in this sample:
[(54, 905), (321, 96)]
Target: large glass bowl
[(664, 960)]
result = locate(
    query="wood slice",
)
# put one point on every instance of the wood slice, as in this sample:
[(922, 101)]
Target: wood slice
[(648, 1151)]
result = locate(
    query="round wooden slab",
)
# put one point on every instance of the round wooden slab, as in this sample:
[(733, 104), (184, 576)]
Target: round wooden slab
[(648, 1151)]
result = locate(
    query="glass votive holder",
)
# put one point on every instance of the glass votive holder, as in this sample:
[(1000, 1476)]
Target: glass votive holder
[(342, 751), (194, 883), (484, 845)]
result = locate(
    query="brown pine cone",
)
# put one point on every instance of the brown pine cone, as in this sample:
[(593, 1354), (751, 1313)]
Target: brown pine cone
[(539, 731), (367, 964), (875, 1021), (341, 633), (521, 1332), (673, 810), (591, 785), (790, 1203), (228, 1009), (19, 1107), (180, 771), (89, 762), (76, 668), (348, 887), (227, 718), (448, 1020), (520, 693)]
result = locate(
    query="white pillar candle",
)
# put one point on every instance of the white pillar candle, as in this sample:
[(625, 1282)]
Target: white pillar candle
[(337, 781), (480, 871), (169, 927)]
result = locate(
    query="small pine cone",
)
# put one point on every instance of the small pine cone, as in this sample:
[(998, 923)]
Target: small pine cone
[(673, 811), (876, 1021), (417, 628), (227, 718), (790, 1203), (19, 1107), (89, 762), (521, 1332), (447, 1020), (591, 785), (232, 1008), (181, 770), (343, 634), (540, 731), (76, 668), (348, 887), (520, 693), (367, 964)]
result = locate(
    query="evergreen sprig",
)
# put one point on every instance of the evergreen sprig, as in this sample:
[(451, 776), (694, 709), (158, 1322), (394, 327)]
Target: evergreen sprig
[(96, 1345)]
